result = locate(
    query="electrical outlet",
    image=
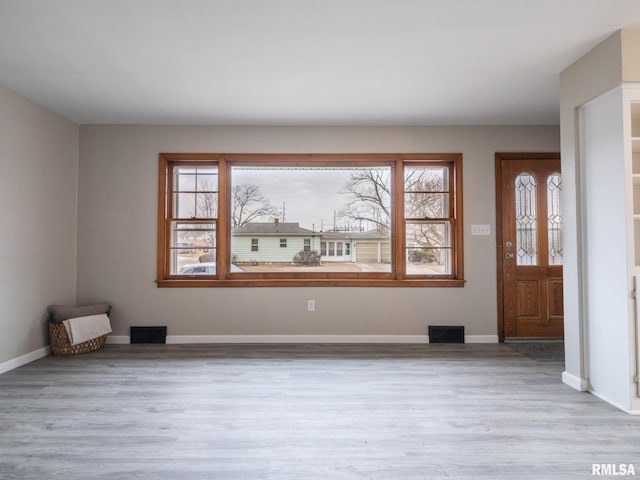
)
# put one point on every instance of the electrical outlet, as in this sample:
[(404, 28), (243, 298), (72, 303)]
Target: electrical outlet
[(311, 305)]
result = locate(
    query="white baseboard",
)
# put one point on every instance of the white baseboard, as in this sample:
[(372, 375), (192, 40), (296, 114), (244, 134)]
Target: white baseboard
[(297, 339), (580, 384), (183, 339), (481, 339), (118, 339), (614, 404), (24, 359)]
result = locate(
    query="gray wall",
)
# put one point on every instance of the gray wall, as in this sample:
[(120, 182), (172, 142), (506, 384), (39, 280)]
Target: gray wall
[(590, 355), (595, 73), (38, 199), (117, 233)]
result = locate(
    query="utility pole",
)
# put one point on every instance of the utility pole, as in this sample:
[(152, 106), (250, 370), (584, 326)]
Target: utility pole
[(284, 210)]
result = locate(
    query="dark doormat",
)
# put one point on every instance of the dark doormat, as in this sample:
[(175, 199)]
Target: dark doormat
[(540, 350)]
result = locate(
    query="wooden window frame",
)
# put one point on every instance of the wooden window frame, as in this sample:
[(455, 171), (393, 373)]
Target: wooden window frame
[(225, 278)]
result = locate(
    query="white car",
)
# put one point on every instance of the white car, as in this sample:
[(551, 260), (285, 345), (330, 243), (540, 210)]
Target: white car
[(204, 268)]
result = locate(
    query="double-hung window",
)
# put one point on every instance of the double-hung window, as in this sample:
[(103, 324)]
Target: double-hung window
[(190, 212), (310, 220)]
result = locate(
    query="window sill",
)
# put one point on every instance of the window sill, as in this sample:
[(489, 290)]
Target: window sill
[(210, 283)]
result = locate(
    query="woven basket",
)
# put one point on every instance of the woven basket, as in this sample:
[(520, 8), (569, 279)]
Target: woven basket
[(61, 347)]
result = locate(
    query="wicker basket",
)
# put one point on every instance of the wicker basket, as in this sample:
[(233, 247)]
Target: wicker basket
[(61, 347)]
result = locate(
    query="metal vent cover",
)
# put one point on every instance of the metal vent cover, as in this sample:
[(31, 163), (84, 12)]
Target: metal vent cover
[(446, 334), (148, 334)]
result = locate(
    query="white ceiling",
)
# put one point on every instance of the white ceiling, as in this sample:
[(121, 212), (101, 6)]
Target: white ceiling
[(301, 62)]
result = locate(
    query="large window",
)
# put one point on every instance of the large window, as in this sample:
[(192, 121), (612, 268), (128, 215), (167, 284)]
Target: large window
[(261, 220)]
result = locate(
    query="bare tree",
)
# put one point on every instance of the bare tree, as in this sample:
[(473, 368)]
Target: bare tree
[(424, 201), (249, 204), (369, 192), (369, 203), (207, 204)]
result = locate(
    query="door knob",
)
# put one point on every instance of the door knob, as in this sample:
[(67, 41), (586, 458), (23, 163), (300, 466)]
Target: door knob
[(509, 255)]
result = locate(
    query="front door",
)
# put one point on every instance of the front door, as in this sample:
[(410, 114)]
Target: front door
[(529, 236)]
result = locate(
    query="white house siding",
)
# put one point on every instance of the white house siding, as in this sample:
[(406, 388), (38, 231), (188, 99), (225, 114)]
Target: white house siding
[(269, 249)]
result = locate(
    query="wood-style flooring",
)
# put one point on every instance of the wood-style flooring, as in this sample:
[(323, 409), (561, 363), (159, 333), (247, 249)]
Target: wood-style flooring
[(280, 412)]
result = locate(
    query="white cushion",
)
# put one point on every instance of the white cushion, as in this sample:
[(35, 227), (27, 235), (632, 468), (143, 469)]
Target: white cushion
[(81, 329)]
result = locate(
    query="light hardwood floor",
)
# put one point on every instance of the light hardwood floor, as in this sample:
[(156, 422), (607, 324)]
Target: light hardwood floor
[(304, 412)]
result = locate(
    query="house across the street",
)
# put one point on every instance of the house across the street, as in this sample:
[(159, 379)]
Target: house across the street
[(271, 242), (279, 242)]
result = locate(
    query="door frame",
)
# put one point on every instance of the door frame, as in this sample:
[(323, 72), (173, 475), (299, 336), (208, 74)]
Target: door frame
[(499, 157)]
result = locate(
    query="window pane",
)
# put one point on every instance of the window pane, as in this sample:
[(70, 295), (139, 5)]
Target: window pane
[(428, 261), (192, 243), (526, 232), (428, 248), (185, 179), (315, 210), (554, 217), (426, 179), (198, 205), (207, 183), (184, 205), (426, 205), (207, 205), (428, 234), (191, 179)]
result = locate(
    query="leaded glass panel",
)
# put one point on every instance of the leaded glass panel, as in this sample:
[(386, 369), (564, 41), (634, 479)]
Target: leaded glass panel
[(526, 235), (554, 218)]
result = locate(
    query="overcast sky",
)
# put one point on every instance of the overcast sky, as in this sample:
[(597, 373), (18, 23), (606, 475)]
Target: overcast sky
[(311, 196)]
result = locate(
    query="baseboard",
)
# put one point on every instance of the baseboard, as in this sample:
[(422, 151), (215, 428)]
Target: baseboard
[(24, 359), (614, 404), (580, 384), (481, 339), (182, 339), (118, 339), (297, 339)]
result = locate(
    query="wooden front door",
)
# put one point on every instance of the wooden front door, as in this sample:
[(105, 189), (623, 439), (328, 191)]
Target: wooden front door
[(529, 236)]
